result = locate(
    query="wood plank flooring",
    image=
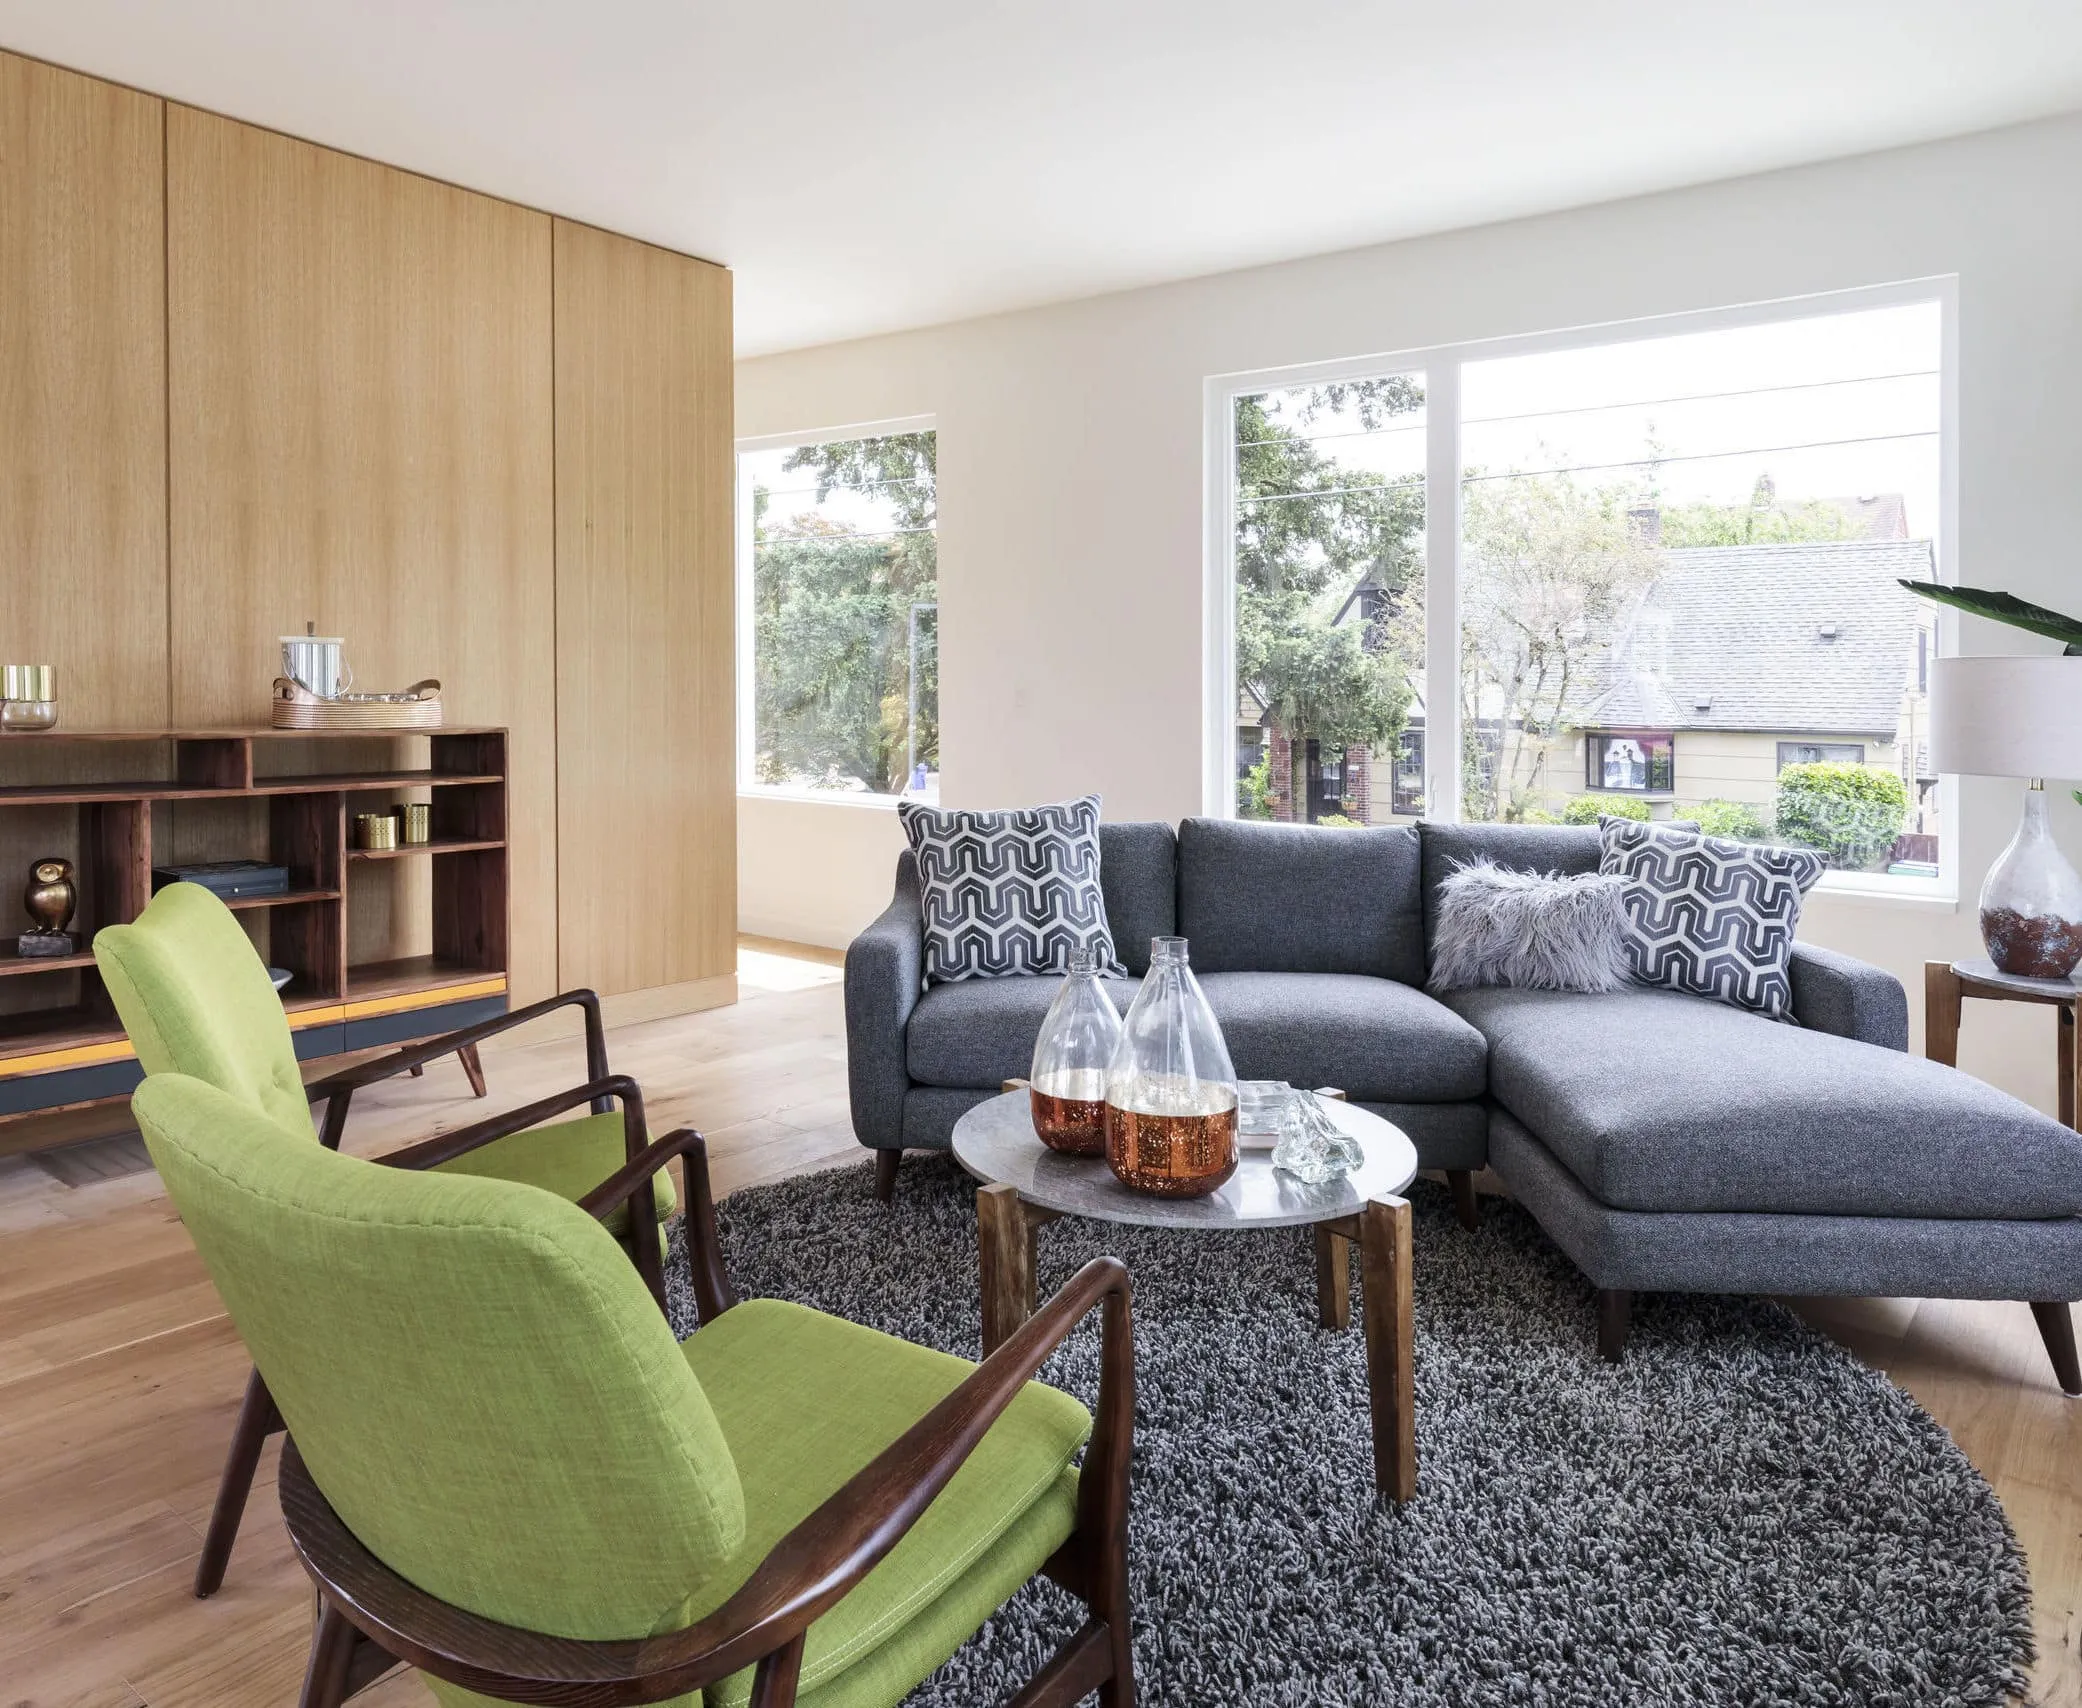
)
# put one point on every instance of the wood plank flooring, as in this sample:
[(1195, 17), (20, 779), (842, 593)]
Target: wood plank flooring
[(119, 1374)]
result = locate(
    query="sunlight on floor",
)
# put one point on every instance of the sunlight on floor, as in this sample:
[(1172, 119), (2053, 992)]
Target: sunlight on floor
[(768, 967)]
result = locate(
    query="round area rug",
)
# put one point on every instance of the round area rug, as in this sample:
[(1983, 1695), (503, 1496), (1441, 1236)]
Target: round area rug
[(1738, 1513)]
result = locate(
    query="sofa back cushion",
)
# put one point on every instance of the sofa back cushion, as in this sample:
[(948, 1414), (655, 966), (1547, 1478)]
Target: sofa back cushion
[(1296, 898), (1567, 850), (1138, 871)]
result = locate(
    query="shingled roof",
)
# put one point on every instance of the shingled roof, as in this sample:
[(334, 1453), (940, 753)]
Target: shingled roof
[(1812, 638)]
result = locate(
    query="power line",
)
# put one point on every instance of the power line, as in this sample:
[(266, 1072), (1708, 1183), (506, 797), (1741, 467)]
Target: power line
[(1600, 408), (846, 539), (1598, 468)]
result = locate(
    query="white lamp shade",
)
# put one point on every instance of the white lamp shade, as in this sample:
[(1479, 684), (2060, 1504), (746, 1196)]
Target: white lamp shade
[(2006, 717)]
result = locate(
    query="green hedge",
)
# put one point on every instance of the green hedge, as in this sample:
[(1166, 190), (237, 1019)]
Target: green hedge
[(1588, 809), (1728, 818), (1849, 814)]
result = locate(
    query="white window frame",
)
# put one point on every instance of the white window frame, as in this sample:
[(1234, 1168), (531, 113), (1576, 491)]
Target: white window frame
[(747, 698), (1441, 364)]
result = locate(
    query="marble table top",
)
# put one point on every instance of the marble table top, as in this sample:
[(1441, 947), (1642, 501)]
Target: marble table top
[(995, 1142), (1984, 971)]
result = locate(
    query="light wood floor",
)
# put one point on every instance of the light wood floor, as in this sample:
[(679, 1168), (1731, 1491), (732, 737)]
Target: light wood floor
[(119, 1373)]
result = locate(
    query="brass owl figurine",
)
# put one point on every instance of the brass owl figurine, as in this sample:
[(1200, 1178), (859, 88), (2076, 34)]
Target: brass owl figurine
[(51, 896)]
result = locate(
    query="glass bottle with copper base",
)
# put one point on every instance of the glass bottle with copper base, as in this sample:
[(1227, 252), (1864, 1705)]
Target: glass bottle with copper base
[(1171, 1094), (1066, 1086)]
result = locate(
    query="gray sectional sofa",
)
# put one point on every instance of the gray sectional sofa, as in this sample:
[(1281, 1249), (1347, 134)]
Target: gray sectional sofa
[(1666, 1143)]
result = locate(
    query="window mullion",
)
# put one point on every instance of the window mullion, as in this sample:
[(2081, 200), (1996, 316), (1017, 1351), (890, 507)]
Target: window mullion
[(1442, 740)]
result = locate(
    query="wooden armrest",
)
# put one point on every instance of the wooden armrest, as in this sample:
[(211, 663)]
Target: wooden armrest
[(350, 1079), (713, 1294), (806, 1572), (446, 1147)]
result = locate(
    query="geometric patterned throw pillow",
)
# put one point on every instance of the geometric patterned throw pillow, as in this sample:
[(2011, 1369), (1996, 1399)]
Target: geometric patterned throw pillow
[(1007, 893), (1708, 915)]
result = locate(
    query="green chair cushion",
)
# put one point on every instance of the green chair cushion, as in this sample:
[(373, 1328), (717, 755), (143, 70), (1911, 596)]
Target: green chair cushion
[(805, 1401), (568, 1158)]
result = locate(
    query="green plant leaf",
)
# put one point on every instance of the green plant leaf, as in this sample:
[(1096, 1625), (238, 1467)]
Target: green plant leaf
[(2005, 608)]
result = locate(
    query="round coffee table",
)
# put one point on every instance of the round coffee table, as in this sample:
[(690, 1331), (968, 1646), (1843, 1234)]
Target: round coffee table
[(1023, 1185)]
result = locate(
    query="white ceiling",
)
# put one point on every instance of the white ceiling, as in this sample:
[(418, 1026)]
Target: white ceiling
[(867, 165)]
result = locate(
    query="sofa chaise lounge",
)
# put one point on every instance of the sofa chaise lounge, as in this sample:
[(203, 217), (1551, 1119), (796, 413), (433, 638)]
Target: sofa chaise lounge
[(1665, 1142)]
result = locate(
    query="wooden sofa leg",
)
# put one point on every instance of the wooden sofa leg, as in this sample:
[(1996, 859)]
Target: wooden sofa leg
[(1615, 1306), (886, 1164), (2057, 1330), (1462, 1180)]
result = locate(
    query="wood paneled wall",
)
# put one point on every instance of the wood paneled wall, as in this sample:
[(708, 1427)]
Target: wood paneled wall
[(646, 816), (359, 383), (247, 382)]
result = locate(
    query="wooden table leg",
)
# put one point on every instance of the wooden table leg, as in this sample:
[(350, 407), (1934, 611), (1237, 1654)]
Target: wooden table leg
[(1391, 1332), (1005, 1242), (473, 1068), (1941, 1012), (1333, 1278)]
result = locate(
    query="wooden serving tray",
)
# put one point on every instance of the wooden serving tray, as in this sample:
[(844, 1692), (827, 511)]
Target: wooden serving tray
[(295, 707)]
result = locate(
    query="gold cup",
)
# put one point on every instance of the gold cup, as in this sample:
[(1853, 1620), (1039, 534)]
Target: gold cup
[(419, 823), (28, 697), (375, 830)]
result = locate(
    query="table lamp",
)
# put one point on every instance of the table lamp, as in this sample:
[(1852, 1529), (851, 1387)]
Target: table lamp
[(2018, 717)]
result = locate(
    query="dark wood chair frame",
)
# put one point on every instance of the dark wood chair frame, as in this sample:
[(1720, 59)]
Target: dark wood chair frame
[(258, 1418), (370, 1619)]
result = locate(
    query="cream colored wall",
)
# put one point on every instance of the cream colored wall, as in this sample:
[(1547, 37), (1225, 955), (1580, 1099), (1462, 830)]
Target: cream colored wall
[(1072, 551), (1740, 765)]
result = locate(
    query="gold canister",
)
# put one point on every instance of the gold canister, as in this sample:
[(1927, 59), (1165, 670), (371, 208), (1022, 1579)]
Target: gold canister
[(28, 697), (419, 823), (375, 830)]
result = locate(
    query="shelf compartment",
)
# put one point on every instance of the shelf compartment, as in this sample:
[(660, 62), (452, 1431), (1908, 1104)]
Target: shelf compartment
[(10, 962), (41, 1031), (414, 975), (313, 783), (288, 898), (440, 845)]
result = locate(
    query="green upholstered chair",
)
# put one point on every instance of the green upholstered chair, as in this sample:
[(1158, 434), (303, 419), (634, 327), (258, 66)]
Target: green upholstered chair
[(196, 999), (505, 1471)]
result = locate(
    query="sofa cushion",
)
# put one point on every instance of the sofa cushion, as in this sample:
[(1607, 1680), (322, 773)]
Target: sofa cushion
[(1658, 1101), (977, 1033), (1138, 871), (1378, 1039), (1566, 850), (1009, 893), (1707, 915), (1295, 898)]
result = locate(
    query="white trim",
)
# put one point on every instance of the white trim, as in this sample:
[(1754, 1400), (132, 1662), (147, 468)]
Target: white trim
[(822, 797), (1441, 365), (747, 664), (1442, 592)]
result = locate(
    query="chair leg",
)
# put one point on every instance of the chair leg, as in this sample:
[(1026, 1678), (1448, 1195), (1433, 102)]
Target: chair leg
[(1462, 1180), (1615, 1306), (258, 1419), (473, 1068), (886, 1164), (332, 1646), (2057, 1330)]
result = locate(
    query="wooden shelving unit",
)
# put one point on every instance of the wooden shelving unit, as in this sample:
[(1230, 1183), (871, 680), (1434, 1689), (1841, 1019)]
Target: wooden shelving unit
[(61, 1044)]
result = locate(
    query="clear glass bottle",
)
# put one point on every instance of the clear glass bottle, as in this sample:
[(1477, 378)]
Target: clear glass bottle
[(2031, 901), (1171, 1090), (1067, 1084)]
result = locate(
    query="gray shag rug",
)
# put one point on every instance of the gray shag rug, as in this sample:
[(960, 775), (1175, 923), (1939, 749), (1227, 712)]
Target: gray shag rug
[(1738, 1513)]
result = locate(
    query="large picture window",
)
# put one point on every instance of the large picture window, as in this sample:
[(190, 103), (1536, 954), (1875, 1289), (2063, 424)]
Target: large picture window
[(839, 616), (1669, 571)]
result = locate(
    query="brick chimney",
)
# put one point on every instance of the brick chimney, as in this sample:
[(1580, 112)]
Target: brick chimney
[(1645, 522)]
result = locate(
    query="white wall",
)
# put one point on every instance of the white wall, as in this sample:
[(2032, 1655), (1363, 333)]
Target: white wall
[(1070, 478)]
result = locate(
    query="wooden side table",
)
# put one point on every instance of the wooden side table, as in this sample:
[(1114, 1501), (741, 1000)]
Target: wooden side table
[(1947, 983)]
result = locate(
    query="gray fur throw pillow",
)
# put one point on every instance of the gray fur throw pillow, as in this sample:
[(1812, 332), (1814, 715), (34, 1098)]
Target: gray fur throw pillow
[(1535, 930)]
